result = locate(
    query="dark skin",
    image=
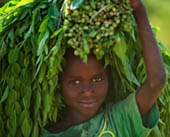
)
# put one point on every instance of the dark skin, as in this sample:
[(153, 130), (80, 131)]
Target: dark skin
[(84, 89), (148, 93), (84, 104)]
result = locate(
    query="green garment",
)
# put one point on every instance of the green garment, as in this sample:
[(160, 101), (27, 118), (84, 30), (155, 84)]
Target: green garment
[(115, 120)]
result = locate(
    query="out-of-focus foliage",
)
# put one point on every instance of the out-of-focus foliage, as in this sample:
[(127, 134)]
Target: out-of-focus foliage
[(159, 15), (2, 2)]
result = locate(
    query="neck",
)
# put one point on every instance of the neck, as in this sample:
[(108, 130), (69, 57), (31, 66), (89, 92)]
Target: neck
[(74, 118)]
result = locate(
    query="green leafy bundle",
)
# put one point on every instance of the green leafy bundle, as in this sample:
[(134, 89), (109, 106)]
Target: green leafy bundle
[(34, 35)]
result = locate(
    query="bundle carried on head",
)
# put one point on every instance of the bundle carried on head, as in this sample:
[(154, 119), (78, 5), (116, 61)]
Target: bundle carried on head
[(34, 36), (96, 25)]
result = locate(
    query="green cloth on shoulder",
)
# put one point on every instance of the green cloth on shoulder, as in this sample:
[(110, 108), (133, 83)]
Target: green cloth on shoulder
[(115, 120)]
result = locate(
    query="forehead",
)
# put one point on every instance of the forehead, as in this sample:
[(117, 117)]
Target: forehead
[(75, 65)]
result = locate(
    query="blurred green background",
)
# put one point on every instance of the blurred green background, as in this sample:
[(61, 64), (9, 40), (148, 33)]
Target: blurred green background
[(159, 16)]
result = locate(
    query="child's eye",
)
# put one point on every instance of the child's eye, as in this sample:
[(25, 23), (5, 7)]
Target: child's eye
[(75, 82), (97, 79)]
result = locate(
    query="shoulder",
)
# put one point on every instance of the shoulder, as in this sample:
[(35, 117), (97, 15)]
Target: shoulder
[(122, 105), (127, 111)]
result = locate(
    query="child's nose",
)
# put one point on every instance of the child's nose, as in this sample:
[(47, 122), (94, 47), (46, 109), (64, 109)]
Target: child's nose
[(87, 89)]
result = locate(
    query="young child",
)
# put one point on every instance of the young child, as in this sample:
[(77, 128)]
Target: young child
[(84, 88)]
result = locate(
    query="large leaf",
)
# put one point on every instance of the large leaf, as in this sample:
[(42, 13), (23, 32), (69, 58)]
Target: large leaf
[(13, 56), (44, 24), (35, 132), (23, 3), (76, 4), (26, 126), (120, 50), (53, 14), (42, 43), (5, 94), (37, 100), (12, 123)]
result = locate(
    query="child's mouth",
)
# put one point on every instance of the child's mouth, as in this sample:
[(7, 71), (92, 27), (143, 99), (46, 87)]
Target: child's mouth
[(88, 104)]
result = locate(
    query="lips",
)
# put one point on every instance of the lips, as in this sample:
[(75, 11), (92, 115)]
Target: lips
[(88, 104)]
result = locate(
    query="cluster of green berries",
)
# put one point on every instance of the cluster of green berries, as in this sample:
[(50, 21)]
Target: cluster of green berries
[(98, 23)]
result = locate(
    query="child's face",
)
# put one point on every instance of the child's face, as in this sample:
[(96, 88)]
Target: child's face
[(84, 86)]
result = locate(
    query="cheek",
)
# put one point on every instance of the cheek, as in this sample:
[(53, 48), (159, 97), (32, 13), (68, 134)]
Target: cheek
[(69, 95), (105, 86), (102, 90)]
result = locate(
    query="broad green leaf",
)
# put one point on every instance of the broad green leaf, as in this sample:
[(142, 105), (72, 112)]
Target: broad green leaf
[(93, 3), (28, 33), (17, 108), (27, 97), (23, 28), (23, 3), (12, 123), (57, 46), (12, 98), (46, 50), (160, 121), (26, 75), (53, 83), (42, 43), (16, 69), (26, 127), (130, 74), (120, 50), (38, 63), (54, 114), (92, 33), (3, 49), (139, 66), (42, 72), (59, 39), (35, 132), (76, 4), (11, 82), (56, 32), (86, 46), (37, 100), (99, 52), (133, 34), (53, 14), (13, 56), (43, 6), (5, 95), (44, 25), (24, 14), (26, 61), (47, 99), (11, 35)]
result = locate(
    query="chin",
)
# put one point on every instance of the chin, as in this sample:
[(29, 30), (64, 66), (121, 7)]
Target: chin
[(89, 113)]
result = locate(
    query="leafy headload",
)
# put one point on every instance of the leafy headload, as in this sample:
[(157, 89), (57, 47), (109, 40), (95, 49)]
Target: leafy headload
[(34, 35), (30, 60), (96, 24)]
